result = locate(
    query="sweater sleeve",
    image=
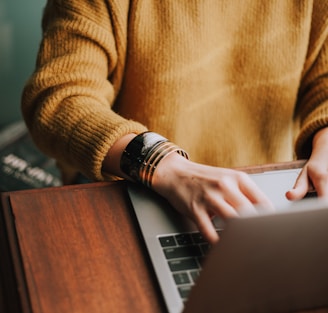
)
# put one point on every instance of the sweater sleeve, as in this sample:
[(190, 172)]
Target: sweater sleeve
[(312, 106), (67, 102)]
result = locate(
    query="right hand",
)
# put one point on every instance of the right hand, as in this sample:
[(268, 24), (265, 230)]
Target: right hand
[(202, 192)]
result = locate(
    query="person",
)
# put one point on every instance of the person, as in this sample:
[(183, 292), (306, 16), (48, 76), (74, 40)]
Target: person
[(177, 95)]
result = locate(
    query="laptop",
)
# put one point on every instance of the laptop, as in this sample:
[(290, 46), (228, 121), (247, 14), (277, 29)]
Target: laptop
[(247, 271)]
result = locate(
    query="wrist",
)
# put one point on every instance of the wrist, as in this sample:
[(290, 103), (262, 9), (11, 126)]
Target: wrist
[(142, 156), (171, 169), (320, 138), (111, 163)]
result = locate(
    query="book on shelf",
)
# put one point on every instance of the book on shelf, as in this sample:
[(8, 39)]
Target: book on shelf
[(22, 164)]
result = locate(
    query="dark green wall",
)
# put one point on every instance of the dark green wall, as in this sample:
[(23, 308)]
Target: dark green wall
[(20, 33)]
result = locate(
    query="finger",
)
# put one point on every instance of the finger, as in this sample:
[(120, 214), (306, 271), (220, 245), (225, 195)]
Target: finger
[(206, 227), (241, 204), (321, 185), (237, 196), (301, 186), (233, 204), (256, 196), (220, 206)]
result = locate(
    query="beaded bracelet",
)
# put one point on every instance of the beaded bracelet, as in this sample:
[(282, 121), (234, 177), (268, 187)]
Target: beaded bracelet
[(143, 154)]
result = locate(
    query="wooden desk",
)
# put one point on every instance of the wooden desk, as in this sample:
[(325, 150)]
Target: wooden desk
[(75, 249), (68, 246)]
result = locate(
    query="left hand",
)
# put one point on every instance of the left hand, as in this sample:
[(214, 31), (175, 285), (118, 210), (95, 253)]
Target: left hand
[(314, 174)]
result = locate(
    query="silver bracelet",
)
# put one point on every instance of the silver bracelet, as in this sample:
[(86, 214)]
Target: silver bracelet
[(143, 154)]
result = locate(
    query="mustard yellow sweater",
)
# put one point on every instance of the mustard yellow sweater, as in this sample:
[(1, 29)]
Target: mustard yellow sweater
[(233, 82)]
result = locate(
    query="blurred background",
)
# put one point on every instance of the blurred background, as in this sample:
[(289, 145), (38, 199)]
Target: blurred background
[(20, 35)]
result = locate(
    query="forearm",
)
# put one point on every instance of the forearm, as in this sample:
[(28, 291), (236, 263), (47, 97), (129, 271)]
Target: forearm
[(111, 163), (312, 102)]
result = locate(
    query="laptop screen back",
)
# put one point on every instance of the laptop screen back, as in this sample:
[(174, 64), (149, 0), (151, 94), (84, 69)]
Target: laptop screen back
[(270, 263)]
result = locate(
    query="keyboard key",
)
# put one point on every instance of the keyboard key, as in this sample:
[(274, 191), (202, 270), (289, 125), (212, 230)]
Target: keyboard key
[(182, 252), (205, 247), (181, 278), (184, 291), (167, 241), (185, 254), (194, 275), (183, 239), (201, 260), (183, 265), (198, 238)]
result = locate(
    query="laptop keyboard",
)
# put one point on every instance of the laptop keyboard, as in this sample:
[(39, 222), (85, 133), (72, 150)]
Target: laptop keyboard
[(185, 254)]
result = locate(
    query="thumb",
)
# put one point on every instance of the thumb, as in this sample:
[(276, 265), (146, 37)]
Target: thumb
[(300, 188)]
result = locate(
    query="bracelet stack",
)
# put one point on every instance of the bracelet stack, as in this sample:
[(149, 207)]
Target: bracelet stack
[(143, 154)]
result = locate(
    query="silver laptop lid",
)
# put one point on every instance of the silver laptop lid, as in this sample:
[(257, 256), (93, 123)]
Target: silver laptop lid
[(269, 263)]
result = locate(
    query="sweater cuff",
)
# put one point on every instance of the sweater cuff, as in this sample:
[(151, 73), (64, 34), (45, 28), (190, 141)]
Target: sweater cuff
[(315, 121)]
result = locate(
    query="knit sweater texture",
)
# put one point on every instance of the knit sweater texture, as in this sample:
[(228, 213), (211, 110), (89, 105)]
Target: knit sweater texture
[(233, 82)]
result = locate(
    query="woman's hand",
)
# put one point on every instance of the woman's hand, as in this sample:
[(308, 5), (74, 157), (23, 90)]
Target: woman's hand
[(314, 174), (196, 190), (201, 192)]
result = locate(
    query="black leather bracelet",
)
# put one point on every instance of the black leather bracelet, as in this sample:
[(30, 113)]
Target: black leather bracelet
[(136, 152)]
